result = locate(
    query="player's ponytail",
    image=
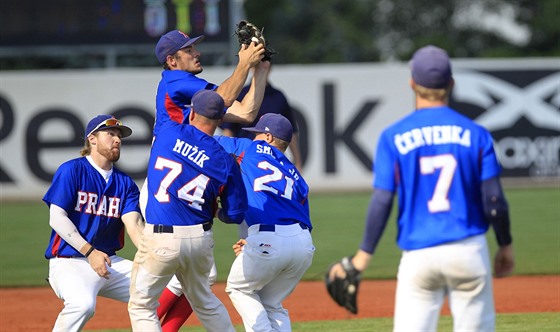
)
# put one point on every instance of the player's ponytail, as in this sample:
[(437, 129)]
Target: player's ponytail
[(86, 150)]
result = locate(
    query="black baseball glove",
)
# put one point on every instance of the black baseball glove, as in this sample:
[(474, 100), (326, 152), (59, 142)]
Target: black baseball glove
[(247, 32), (344, 291)]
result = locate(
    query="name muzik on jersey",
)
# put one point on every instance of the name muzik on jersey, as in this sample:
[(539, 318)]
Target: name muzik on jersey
[(191, 152), (432, 135), (90, 203)]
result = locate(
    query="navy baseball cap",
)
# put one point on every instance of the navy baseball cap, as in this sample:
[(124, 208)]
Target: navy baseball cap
[(208, 103), (101, 122), (173, 41), (275, 124), (431, 68)]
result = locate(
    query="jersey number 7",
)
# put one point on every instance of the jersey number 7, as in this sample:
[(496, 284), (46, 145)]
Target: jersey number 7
[(447, 163), (191, 192)]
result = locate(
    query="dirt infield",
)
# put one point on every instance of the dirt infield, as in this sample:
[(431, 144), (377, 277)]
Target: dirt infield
[(35, 309)]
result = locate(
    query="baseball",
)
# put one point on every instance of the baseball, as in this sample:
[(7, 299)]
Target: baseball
[(351, 289), (255, 39)]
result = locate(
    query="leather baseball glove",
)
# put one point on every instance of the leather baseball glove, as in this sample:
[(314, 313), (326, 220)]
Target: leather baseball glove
[(344, 291), (247, 32)]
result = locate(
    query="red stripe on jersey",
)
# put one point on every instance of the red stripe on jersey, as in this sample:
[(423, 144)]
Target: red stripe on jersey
[(239, 158), (56, 245), (175, 112), (121, 239)]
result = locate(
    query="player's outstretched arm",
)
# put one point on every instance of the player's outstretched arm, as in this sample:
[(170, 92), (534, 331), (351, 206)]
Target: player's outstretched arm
[(249, 57), (134, 224), (247, 109)]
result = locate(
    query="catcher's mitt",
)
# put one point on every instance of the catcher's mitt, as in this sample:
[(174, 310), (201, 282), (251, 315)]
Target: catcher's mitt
[(344, 291), (247, 33)]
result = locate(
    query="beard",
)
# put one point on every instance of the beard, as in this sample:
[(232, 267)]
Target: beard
[(112, 154)]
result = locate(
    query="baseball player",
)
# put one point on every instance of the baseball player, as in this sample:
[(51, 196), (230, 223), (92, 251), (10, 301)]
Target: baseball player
[(187, 172), (90, 201), (279, 248), (177, 53), (274, 101), (446, 173)]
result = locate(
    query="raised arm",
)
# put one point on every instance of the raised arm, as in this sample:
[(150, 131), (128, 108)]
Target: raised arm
[(249, 57), (247, 109)]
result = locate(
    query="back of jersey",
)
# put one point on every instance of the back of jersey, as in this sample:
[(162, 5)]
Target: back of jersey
[(187, 171), (276, 192), (436, 159)]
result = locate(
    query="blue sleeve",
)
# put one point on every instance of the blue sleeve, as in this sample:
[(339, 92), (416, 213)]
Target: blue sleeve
[(181, 88), (377, 216), (62, 191), (131, 203), (234, 145), (234, 197), (490, 165)]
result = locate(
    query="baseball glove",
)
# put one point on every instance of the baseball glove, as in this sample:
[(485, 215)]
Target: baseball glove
[(344, 291), (247, 33)]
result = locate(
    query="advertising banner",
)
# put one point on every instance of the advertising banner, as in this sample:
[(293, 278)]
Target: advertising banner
[(341, 110)]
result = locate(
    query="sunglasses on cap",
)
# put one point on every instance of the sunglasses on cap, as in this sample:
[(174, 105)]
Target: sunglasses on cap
[(107, 123), (112, 123)]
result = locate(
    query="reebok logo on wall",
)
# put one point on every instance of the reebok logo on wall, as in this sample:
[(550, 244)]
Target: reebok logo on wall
[(521, 108)]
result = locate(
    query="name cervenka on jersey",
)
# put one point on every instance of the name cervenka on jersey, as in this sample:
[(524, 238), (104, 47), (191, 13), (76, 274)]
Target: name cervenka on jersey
[(109, 206), (432, 135), (191, 152)]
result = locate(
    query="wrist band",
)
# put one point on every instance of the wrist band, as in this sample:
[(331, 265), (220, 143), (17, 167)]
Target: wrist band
[(89, 251)]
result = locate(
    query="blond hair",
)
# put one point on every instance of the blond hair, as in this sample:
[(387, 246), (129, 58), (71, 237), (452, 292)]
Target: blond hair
[(281, 144), (432, 94), (86, 150)]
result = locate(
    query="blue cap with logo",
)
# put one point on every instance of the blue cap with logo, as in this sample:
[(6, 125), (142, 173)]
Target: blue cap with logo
[(208, 103), (275, 124), (173, 41), (104, 121), (431, 68)]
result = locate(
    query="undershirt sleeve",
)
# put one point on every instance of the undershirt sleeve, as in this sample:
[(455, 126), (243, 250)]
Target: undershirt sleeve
[(496, 210), (64, 227), (377, 216)]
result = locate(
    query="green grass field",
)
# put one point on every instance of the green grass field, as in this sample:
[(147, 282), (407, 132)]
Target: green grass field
[(338, 220), (542, 322)]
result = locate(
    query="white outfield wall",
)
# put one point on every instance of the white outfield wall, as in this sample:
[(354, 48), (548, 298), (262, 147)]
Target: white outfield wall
[(341, 108)]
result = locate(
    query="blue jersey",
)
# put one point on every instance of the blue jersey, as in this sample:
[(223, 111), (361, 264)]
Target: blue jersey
[(436, 159), (187, 171), (174, 93), (94, 206), (277, 193)]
